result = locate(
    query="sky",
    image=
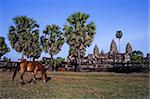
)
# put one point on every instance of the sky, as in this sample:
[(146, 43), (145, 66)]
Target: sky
[(109, 16)]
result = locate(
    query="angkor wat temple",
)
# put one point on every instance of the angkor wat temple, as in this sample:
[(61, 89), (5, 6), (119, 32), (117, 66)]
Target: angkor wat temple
[(99, 57), (99, 60)]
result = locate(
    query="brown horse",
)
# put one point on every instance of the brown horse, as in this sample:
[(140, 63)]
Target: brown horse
[(30, 67)]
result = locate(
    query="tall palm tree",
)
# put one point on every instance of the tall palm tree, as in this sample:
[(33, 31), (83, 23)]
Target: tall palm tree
[(3, 47), (78, 33), (24, 35), (52, 40), (119, 35)]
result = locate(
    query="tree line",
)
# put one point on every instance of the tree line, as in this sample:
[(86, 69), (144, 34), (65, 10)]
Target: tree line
[(77, 33)]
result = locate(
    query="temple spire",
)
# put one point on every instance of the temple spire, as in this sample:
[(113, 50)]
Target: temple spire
[(128, 48), (96, 50), (113, 47)]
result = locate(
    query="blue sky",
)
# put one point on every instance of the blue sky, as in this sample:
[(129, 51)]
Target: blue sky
[(129, 16)]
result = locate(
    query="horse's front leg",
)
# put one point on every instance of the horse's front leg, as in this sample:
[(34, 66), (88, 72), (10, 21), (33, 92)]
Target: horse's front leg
[(44, 77), (34, 76), (31, 79)]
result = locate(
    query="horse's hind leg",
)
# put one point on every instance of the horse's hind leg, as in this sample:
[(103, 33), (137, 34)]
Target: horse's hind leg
[(22, 81)]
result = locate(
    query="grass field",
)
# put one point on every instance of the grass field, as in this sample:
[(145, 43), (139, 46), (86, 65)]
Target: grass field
[(69, 85)]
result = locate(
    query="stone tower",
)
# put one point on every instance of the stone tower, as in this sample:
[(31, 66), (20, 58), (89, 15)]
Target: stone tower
[(113, 47), (127, 55), (96, 50), (128, 48)]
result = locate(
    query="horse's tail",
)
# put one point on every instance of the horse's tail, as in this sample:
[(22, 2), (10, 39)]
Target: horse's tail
[(15, 71)]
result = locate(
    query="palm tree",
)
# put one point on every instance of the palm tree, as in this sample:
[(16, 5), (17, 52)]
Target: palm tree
[(52, 40), (137, 56), (78, 33), (3, 47), (24, 35), (119, 36)]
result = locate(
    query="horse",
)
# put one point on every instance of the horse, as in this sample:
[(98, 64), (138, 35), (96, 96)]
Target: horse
[(30, 67)]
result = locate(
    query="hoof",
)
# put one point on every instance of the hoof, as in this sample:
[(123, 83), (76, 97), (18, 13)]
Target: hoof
[(34, 82), (30, 81), (22, 83), (44, 81)]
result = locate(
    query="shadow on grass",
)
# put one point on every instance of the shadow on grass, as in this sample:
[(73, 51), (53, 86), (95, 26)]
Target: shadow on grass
[(40, 78), (48, 79)]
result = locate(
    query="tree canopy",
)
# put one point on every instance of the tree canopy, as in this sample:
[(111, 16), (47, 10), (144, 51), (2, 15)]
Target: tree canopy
[(52, 40), (3, 47), (24, 36), (137, 56)]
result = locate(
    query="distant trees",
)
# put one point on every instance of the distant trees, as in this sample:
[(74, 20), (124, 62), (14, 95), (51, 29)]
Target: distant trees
[(3, 47), (119, 35), (78, 33), (137, 56), (24, 37), (58, 62), (52, 40)]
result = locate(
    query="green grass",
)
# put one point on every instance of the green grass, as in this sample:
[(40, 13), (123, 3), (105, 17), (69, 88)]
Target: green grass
[(70, 85)]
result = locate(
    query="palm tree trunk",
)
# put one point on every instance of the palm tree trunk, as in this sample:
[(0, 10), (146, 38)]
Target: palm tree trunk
[(79, 61), (33, 59), (52, 62), (75, 64), (119, 45)]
